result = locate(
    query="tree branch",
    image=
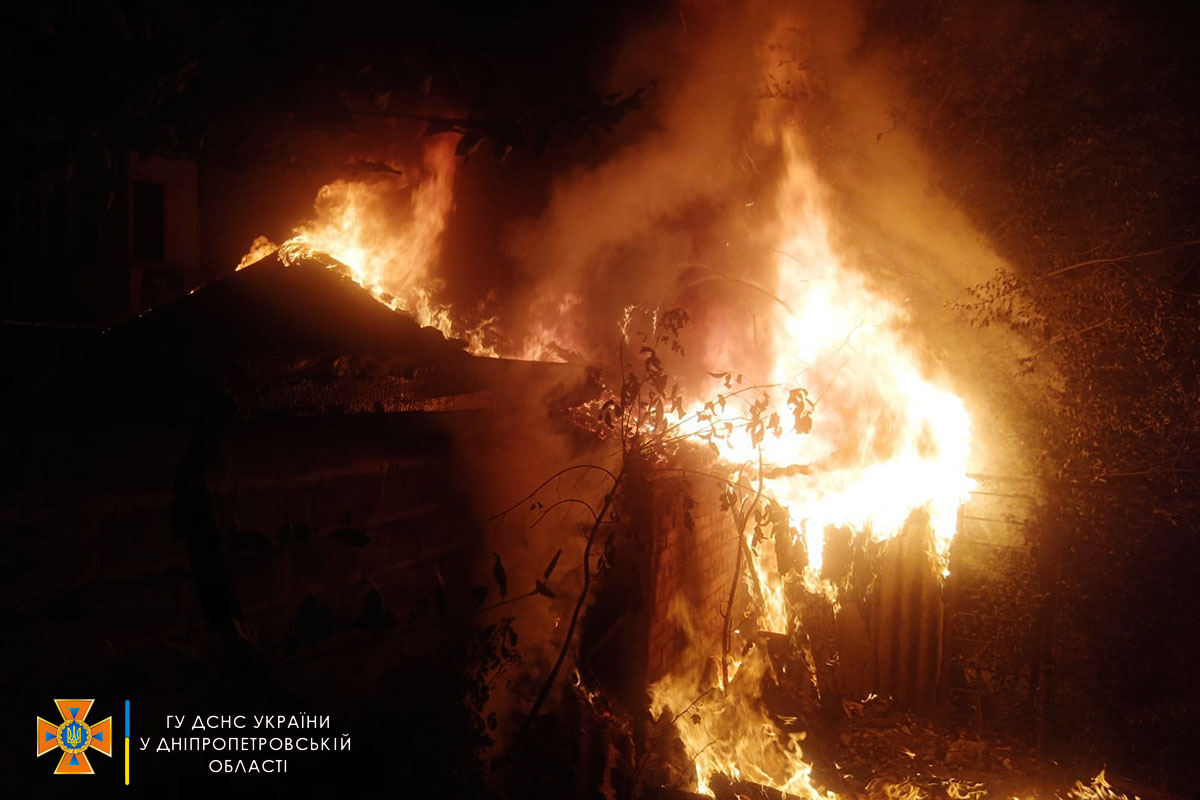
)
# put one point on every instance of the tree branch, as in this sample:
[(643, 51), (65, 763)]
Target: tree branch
[(579, 604), (547, 482), (1097, 261), (564, 501), (742, 518)]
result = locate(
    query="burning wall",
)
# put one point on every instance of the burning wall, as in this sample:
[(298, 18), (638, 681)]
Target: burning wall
[(694, 556)]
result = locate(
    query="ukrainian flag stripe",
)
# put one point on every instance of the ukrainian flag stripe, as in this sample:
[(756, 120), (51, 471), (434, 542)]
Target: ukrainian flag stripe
[(126, 742)]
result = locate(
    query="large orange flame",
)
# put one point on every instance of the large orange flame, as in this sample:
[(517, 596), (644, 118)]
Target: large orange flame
[(885, 441)]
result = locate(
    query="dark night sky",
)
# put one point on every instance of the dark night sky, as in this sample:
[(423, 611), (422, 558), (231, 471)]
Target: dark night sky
[(193, 77)]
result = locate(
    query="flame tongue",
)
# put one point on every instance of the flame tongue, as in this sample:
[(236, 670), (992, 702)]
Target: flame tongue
[(389, 253), (729, 732)]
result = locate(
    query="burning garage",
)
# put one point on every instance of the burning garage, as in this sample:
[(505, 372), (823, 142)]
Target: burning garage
[(781, 401)]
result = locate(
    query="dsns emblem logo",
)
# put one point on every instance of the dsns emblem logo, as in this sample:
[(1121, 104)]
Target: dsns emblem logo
[(74, 737)]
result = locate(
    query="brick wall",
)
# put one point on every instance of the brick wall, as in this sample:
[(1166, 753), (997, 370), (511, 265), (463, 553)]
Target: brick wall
[(694, 554)]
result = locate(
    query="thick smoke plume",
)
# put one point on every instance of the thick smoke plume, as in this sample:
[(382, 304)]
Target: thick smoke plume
[(686, 213)]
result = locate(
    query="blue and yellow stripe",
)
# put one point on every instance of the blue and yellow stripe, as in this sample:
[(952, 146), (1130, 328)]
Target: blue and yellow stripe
[(126, 742)]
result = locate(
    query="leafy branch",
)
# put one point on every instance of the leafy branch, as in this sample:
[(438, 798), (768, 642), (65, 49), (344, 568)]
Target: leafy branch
[(646, 413)]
